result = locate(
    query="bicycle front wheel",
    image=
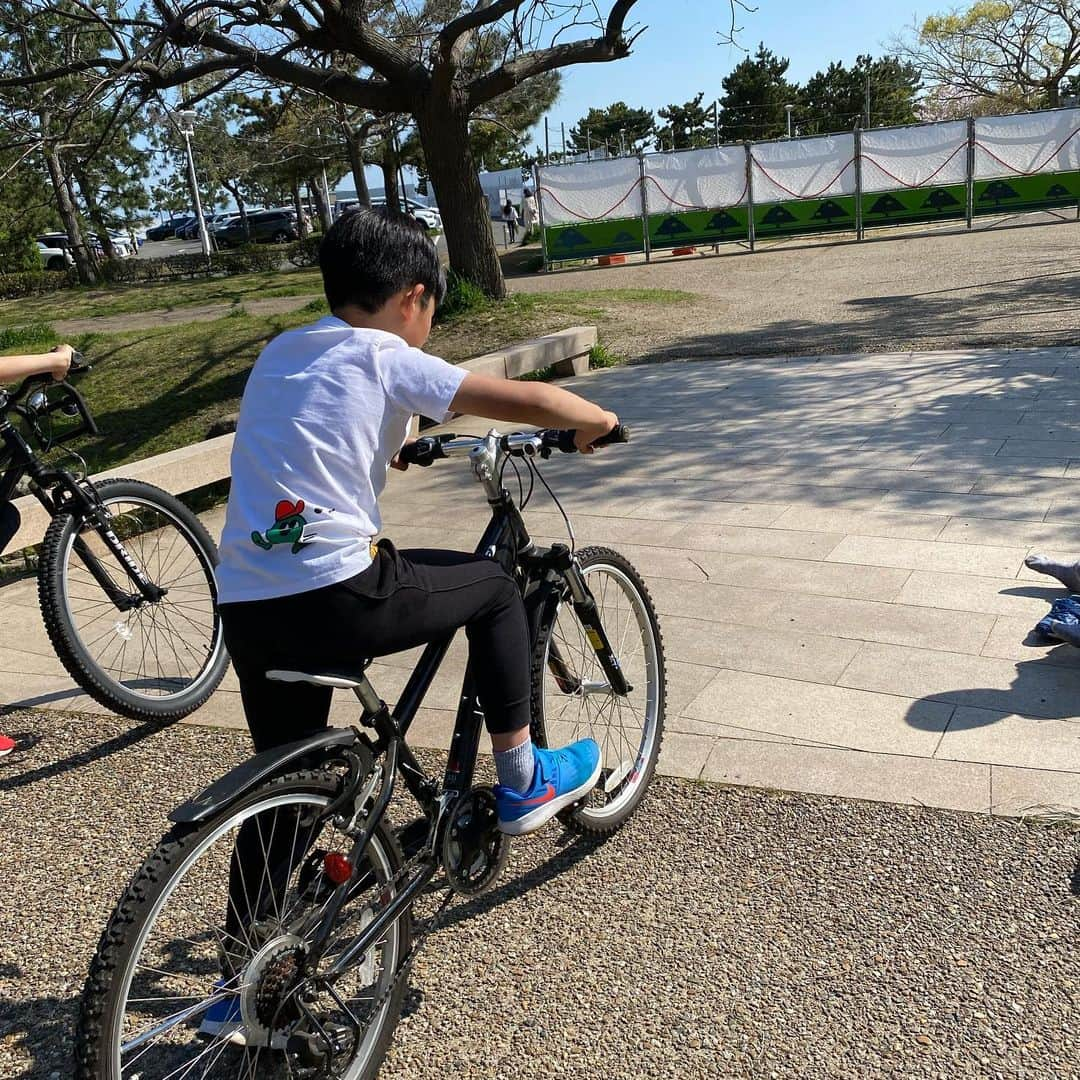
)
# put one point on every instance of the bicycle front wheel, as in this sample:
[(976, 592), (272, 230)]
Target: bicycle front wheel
[(572, 699), (206, 967), (147, 660)]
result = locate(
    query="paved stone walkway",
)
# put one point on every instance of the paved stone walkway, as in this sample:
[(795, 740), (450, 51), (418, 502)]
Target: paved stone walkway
[(835, 545)]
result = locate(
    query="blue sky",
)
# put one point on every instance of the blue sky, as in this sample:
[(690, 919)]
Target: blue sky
[(678, 55)]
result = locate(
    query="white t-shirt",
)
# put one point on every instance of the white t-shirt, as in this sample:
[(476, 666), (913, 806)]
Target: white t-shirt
[(326, 408)]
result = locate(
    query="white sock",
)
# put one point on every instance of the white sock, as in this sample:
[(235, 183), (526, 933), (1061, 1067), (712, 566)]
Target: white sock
[(515, 767)]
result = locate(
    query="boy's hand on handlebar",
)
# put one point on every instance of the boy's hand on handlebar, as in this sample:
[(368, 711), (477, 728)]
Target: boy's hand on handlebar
[(587, 434), (397, 463), (63, 355)]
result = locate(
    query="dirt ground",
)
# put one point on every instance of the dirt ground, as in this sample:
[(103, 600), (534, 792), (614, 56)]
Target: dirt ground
[(1011, 282)]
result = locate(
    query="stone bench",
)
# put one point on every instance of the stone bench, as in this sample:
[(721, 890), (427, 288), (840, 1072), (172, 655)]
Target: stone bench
[(191, 467)]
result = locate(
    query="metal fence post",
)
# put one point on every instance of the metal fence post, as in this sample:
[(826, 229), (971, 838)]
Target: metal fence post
[(749, 195), (859, 231), (644, 208), (540, 216), (970, 200)]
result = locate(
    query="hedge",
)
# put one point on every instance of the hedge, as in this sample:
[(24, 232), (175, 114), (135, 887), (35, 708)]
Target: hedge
[(236, 261), (304, 252), (23, 283)]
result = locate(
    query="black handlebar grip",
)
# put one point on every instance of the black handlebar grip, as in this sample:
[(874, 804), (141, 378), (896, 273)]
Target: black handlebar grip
[(620, 433), (78, 363), (422, 452)]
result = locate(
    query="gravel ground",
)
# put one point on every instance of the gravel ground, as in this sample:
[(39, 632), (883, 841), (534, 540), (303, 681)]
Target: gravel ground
[(723, 933)]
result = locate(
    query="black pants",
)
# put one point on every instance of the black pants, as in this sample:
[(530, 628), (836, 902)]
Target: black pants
[(404, 599), (9, 524)]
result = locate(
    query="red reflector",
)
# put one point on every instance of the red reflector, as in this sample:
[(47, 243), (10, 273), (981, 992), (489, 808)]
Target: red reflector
[(337, 867)]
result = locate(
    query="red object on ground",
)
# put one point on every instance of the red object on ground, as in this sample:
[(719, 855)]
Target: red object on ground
[(610, 260), (6, 745), (684, 251)]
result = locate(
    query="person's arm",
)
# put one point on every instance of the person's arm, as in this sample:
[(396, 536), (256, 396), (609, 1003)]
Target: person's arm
[(17, 368), (533, 403)]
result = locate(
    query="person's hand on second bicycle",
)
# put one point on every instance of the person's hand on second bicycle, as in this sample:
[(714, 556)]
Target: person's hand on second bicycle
[(56, 363), (61, 356), (589, 433)]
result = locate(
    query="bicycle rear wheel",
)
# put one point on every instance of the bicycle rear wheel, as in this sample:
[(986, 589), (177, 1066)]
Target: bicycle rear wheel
[(201, 969), (155, 660), (572, 699)]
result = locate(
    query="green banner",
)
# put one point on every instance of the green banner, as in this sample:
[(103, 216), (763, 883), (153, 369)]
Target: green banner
[(804, 217)]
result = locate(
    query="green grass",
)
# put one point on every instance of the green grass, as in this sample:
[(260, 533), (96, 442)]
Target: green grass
[(91, 303), (35, 337), (157, 389)]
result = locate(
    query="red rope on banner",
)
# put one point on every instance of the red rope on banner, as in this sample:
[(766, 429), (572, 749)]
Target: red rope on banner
[(585, 217), (795, 194), (918, 183), (1028, 172), (691, 206)]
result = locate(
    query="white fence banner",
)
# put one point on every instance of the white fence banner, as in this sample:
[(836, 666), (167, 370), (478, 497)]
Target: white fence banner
[(1027, 143), (916, 156), (590, 191), (803, 168), (710, 179)]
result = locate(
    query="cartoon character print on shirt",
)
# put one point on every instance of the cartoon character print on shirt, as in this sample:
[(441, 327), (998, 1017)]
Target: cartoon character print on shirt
[(288, 528)]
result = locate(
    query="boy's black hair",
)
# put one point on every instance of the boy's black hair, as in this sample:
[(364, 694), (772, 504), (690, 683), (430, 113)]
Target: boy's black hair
[(366, 257)]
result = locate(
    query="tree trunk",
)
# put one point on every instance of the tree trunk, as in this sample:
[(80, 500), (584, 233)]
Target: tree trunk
[(298, 203), (389, 165), (84, 264), (325, 217), (93, 212), (241, 208), (443, 121), (356, 162)]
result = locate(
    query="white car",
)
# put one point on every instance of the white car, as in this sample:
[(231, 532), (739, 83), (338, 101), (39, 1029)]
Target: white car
[(428, 216), (54, 258)]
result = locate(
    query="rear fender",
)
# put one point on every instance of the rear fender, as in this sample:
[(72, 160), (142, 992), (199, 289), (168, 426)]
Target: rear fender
[(236, 783)]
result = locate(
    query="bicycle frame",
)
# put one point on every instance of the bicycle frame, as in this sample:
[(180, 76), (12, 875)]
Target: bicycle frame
[(59, 490), (544, 575)]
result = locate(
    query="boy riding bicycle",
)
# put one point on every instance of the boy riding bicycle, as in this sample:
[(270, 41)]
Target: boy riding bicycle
[(326, 410), (14, 369)]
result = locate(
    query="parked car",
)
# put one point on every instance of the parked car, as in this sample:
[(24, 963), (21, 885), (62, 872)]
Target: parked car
[(428, 216), (123, 246), (55, 258), (265, 226), (168, 228)]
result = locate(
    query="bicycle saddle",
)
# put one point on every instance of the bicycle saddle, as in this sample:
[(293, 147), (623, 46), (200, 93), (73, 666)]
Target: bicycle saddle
[(345, 678)]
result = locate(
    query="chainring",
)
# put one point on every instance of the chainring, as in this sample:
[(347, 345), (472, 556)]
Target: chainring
[(474, 851)]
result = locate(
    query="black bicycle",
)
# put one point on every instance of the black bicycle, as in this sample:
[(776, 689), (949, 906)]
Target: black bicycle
[(126, 578), (283, 890)]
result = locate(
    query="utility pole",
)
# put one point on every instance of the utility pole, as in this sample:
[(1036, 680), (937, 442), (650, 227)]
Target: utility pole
[(868, 98), (788, 109), (563, 126), (716, 119), (622, 142), (588, 145), (547, 142), (186, 118)]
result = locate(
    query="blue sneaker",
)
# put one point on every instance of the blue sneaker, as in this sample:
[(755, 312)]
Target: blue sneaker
[(223, 1019), (560, 778)]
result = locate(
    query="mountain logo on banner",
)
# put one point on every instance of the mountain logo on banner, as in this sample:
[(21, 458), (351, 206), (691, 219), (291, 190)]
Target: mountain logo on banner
[(998, 191), (571, 238), (623, 237), (672, 226), (829, 211), (940, 199), (721, 222), (886, 205), (1058, 191), (778, 216)]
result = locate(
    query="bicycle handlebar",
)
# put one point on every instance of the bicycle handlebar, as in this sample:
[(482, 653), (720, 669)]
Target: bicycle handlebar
[(428, 448), (78, 366)]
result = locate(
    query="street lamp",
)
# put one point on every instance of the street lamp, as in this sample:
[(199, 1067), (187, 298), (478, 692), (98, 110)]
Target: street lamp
[(185, 119), (789, 109)]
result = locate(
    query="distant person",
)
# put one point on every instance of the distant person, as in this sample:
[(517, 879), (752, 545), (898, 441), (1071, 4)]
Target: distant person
[(530, 215), (510, 220)]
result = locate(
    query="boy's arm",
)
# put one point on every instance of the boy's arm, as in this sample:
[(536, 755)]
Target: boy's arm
[(533, 403), (16, 368)]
